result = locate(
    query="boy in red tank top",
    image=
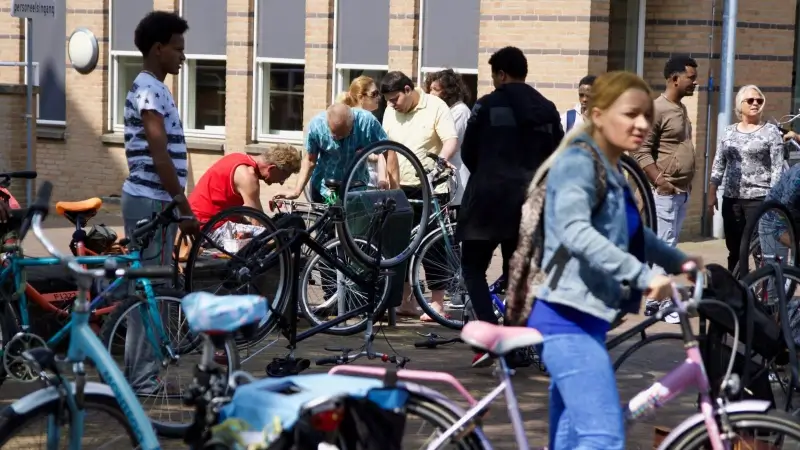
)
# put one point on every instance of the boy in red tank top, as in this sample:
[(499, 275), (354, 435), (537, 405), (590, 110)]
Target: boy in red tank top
[(235, 180)]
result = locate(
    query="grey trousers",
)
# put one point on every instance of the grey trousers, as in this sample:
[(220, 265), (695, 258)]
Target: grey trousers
[(141, 368)]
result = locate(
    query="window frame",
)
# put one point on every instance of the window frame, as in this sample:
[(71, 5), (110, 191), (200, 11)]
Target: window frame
[(37, 82), (186, 83), (262, 92), (640, 35), (114, 87)]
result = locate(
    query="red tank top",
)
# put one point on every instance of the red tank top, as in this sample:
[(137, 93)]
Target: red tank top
[(214, 191)]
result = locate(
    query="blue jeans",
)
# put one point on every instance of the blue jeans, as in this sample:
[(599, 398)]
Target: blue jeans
[(585, 412)]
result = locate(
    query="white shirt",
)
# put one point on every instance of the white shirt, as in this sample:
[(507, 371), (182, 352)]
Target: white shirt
[(149, 94), (461, 114), (578, 117)]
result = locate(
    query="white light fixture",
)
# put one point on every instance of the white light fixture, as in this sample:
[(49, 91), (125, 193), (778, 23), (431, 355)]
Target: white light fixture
[(83, 50)]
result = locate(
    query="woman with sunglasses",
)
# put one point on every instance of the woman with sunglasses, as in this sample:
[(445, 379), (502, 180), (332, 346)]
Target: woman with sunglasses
[(748, 162), (363, 93)]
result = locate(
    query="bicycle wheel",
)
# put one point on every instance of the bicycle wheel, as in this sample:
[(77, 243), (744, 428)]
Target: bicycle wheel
[(183, 343), (769, 430), (640, 185), (210, 269), (321, 312), (352, 227), (774, 229), (643, 342), (429, 411), (439, 254), (101, 410), (761, 282)]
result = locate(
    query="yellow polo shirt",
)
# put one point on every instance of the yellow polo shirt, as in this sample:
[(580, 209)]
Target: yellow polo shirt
[(422, 130)]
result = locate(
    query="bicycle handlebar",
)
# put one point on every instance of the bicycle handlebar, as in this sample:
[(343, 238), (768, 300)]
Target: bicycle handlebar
[(36, 215)]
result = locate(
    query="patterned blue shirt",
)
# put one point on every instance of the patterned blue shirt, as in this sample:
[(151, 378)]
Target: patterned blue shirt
[(787, 192), (334, 158)]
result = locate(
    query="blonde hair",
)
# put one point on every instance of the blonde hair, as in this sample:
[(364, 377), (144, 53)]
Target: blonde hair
[(607, 88), (740, 98), (284, 157), (359, 88)]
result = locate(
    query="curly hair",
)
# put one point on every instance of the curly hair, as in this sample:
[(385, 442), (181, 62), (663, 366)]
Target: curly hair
[(284, 157), (452, 84)]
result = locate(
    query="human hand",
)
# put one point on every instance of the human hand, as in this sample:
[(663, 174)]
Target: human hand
[(286, 195), (189, 226), (659, 288), (666, 188), (383, 184), (712, 205), (791, 135)]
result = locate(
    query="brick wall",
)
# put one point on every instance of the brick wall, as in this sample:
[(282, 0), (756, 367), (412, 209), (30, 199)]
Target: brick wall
[(13, 128), (563, 40)]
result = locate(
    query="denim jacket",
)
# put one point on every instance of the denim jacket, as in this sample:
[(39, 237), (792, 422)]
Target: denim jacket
[(592, 280)]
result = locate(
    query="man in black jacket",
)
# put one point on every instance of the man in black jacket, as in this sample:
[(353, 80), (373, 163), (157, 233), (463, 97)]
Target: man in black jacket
[(510, 133)]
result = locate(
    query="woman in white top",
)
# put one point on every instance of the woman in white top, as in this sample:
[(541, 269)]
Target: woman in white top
[(363, 93), (448, 85)]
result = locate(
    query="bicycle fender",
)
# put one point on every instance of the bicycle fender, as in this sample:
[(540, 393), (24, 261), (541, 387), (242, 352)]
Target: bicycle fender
[(744, 406), (50, 393)]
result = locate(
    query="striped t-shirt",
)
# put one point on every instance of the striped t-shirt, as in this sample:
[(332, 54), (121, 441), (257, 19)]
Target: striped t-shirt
[(148, 93)]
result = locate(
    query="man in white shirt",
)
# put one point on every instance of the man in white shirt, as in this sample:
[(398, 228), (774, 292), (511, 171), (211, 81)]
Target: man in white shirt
[(576, 115)]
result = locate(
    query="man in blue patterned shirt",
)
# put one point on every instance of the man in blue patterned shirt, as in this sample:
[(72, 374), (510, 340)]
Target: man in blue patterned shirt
[(334, 138)]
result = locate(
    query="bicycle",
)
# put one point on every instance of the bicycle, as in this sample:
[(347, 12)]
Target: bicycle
[(714, 424), (116, 399), (443, 236)]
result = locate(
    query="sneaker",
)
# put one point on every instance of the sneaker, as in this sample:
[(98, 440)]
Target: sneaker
[(651, 307), (672, 317), (482, 360)]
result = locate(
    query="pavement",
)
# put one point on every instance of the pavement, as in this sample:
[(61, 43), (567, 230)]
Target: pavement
[(638, 373)]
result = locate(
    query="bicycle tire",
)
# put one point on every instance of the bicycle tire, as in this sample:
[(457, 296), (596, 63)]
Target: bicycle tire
[(777, 421), (755, 247), (168, 430), (415, 267), (305, 308), (282, 297), (790, 272), (751, 230), (11, 422), (343, 229), (9, 326), (643, 342), (443, 417), (649, 216)]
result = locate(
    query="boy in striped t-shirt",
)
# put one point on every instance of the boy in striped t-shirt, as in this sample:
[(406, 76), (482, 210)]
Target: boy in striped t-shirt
[(156, 152)]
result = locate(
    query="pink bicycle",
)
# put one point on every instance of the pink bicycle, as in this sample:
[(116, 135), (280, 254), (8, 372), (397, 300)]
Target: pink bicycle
[(719, 425)]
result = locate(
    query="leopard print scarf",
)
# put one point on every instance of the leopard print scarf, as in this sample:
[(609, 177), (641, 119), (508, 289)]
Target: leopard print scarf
[(525, 267)]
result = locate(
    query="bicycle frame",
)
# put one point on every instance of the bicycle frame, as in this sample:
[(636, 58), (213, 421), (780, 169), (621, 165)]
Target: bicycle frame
[(85, 344)]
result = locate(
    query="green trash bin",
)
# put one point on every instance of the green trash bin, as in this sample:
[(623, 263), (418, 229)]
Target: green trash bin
[(396, 234)]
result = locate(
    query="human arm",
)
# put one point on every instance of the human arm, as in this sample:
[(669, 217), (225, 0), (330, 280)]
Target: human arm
[(469, 147), (445, 128), (659, 252), (777, 155), (572, 180), (718, 167), (644, 156), (307, 165), (151, 106), (246, 183)]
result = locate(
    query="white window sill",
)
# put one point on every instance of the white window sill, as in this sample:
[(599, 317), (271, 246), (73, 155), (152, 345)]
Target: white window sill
[(192, 143)]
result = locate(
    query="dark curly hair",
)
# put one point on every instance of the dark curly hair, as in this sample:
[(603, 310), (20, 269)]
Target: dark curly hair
[(452, 84)]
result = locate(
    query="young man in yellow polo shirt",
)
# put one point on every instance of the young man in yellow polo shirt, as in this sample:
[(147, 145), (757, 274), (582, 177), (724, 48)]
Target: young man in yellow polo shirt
[(424, 124)]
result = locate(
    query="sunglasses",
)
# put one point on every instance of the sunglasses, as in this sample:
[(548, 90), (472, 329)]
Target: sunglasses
[(757, 101), (373, 94)]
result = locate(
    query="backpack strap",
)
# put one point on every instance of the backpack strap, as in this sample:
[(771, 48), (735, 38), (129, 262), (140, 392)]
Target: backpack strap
[(562, 255), (571, 115)]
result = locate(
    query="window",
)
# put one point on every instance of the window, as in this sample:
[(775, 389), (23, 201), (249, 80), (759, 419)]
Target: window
[(346, 76), (470, 79), (361, 41), (125, 68), (281, 101), (203, 96), (626, 35), (279, 48), (126, 60)]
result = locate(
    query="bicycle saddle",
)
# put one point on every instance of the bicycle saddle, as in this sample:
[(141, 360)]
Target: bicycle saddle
[(222, 314), (498, 340), (335, 185)]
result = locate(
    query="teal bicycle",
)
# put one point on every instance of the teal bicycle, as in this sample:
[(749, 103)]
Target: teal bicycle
[(65, 403)]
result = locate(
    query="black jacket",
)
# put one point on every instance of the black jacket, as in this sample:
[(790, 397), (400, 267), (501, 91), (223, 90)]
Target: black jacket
[(509, 135)]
